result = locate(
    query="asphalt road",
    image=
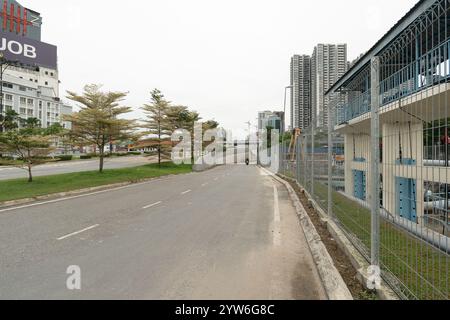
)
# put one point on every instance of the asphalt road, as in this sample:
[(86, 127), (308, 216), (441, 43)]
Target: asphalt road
[(7, 173), (228, 233)]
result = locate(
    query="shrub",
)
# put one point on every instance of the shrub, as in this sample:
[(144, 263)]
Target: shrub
[(85, 157), (134, 153), (65, 158), (92, 155)]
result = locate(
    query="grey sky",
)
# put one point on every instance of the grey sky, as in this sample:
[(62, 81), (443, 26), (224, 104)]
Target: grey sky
[(225, 59)]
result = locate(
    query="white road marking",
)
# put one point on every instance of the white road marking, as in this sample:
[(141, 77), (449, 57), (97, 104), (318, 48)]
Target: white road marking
[(186, 192), (152, 205), (73, 197), (276, 204), (205, 184), (277, 218), (78, 232)]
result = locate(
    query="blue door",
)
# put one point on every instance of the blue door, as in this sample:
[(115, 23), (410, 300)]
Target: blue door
[(406, 198), (359, 183)]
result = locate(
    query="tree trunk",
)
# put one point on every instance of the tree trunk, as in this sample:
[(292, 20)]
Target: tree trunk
[(159, 156), (102, 161), (30, 175), (159, 140)]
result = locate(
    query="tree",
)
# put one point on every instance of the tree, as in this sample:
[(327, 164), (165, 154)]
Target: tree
[(98, 121), (156, 122), (287, 136), (9, 121), (269, 137), (31, 145), (177, 117), (209, 125), (31, 123)]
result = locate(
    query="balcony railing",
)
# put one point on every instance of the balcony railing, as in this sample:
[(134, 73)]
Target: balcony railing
[(405, 82)]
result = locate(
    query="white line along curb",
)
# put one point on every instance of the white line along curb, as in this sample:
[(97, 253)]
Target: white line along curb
[(332, 280)]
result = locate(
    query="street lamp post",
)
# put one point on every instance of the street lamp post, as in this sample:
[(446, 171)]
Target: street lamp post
[(284, 120), (285, 102)]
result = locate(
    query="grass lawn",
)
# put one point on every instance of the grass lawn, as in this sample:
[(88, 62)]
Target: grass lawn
[(4, 162), (21, 189), (424, 270)]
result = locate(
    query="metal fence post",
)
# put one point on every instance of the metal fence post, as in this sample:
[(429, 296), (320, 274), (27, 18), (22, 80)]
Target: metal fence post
[(305, 160), (375, 161), (330, 157), (313, 142), (297, 159)]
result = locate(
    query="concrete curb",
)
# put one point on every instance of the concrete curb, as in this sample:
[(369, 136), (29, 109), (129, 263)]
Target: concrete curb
[(333, 283), (54, 196), (356, 258)]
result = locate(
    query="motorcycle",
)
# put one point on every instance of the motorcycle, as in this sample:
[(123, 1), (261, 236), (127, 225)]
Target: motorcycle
[(247, 162)]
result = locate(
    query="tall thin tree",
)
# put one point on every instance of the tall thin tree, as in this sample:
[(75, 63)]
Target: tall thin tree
[(99, 119), (156, 122)]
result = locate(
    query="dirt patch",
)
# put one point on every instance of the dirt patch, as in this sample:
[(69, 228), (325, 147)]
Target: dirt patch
[(341, 261)]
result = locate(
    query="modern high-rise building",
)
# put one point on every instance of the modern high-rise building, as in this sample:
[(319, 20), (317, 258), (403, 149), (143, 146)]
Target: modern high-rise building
[(301, 91), (30, 81), (328, 64)]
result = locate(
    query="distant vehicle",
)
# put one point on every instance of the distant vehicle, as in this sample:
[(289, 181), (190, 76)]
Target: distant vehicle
[(247, 162)]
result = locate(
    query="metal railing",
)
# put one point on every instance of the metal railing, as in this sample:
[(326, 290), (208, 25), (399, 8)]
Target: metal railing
[(428, 70)]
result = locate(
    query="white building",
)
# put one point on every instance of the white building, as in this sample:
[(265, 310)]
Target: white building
[(30, 90), (413, 94)]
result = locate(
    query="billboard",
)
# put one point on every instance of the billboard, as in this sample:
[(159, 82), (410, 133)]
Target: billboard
[(28, 51)]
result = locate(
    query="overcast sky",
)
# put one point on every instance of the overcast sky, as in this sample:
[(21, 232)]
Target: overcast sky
[(226, 59)]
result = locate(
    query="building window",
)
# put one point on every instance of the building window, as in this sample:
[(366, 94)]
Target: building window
[(7, 85), (30, 112), (23, 111), (23, 101), (21, 88), (46, 83)]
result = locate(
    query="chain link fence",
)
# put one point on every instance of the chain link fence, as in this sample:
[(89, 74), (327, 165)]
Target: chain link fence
[(381, 170)]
